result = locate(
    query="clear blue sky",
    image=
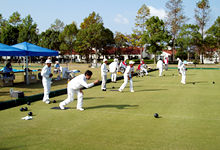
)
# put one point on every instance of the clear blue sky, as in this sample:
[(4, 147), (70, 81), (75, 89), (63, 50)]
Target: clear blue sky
[(117, 15)]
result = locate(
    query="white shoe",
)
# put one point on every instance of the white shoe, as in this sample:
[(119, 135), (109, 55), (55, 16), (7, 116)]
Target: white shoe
[(81, 109), (132, 90), (47, 101), (62, 106), (119, 90)]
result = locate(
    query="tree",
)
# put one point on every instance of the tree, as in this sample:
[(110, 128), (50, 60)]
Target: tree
[(120, 41), (142, 15), (68, 38), (9, 35), (28, 31), (156, 36), (210, 43), (15, 19), (91, 19), (49, 39), (189, 39), (202, 15), (214, 31), (57, 25), (107, 41), (91, 37), (174, 19)]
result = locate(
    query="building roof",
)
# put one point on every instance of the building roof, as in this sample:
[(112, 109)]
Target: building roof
[(169, 52)]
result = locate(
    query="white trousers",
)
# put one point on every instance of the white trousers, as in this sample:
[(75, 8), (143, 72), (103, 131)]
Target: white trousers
[(183, 78), (113, 76), (145, 71), (70, 98), (160, 71), (125, 83), (47, 87), (104, 80), (166, 66)]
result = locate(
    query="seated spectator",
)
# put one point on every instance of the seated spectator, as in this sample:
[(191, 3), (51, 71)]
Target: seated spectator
[(57, 67), (7, 70)]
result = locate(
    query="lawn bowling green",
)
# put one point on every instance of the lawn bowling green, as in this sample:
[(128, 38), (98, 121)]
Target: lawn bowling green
[(188, 117)]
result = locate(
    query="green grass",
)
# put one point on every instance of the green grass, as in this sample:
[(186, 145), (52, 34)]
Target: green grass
[(189, 117)]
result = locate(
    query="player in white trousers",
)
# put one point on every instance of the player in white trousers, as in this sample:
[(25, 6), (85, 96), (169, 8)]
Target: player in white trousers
[(160, 67), (113, 70), (165, 61), (128, 76), (104, 71), (46, 80), (179, 64), (144, 67), (75, 87), (183, 72)]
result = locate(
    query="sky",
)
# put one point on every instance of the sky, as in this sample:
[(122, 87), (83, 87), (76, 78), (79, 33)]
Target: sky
[(117, 15)]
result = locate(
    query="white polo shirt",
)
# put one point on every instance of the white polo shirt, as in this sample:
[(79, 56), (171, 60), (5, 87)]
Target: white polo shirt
[(79, 82), (45, 73), (128, 70), (104, 69)]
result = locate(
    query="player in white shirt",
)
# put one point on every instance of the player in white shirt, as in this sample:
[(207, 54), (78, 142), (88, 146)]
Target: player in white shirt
[(165, 61), (179, 64), (160, 67), (128, 76), (104, 71), (113, 70), (183, 72), (75, 87), (46, 80)]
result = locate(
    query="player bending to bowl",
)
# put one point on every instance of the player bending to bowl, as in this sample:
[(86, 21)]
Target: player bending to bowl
[(128, 76), (75, 86)]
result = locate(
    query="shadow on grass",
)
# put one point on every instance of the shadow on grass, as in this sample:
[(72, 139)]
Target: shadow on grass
[(136, 81), (150, 90), (113, 106), (85, 98), (197, 82)]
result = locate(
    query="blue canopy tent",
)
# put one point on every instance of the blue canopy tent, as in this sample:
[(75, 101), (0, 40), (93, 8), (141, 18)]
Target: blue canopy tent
[(6, 50), (34, 50)]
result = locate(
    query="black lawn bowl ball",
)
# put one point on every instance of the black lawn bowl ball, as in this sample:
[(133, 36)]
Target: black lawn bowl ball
[(21, 109), (30, 113), (28, 103), (193, 82), (173, 74), (164, 75), (25, 108), (156, 115), (213, 82), (113, 87), (54, 101)]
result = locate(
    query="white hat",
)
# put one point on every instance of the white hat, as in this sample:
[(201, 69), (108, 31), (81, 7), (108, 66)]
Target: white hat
[(104, 60), (131, 62), (115, 60), (48, 61), (185, 62)]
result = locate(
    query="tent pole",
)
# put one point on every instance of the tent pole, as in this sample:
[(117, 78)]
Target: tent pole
[(27, 70)]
